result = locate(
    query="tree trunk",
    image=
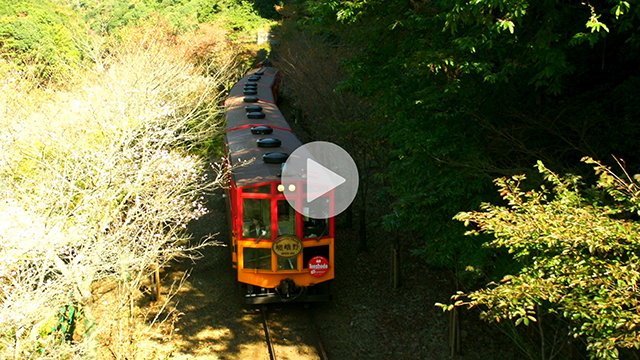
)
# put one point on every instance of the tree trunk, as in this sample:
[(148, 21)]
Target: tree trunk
[(362, 243), (349, 218), (90, 331)]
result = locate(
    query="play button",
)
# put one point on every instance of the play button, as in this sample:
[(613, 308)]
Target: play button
[(320, 180), (319, 174)]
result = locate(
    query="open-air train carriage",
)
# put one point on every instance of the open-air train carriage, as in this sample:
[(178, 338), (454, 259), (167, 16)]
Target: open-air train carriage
[(280, 254)]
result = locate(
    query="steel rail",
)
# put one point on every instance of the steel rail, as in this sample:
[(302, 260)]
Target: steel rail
[(322, 354), (320, 347), (267, 334)]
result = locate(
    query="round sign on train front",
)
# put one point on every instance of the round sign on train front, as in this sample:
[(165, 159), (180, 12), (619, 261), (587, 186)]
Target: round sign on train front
[(318, 266)]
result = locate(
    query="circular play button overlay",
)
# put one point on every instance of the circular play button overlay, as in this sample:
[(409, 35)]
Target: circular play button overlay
[(320, 180)]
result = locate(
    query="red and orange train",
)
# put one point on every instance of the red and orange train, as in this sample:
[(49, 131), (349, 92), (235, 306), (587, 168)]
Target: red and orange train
[(279, 254)]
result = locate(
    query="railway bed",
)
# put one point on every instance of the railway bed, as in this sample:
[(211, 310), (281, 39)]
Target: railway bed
[(290, 333)]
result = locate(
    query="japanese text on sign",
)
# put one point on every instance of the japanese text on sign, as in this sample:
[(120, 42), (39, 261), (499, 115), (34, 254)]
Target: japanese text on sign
[(287, 246)]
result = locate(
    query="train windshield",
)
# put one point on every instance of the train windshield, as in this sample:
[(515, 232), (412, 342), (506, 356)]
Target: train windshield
[(256, 218), (314, 219), (315, 228), (263, 189), (286, 226), (286, 218)]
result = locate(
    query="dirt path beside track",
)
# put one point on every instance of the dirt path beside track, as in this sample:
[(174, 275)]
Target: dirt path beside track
[(366, 319)]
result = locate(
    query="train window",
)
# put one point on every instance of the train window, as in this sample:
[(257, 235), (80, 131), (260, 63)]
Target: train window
[(315, 228), (262, 189), (255, 258), (286, 226), (320, 209), (312, 251), (288, 264), (286, 218), (257, 218)]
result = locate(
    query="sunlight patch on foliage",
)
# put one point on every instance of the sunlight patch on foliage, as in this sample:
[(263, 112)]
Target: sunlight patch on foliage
[(579, 253)]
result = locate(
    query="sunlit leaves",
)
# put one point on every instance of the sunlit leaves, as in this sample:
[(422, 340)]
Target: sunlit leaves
[(621, 8), (594, 23), (580, 259), (506, 25)]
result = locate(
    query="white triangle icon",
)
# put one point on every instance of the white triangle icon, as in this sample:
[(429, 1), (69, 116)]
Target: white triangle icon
[(323, 177)]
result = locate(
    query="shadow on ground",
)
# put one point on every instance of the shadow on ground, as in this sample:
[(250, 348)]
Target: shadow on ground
[(212, 324)]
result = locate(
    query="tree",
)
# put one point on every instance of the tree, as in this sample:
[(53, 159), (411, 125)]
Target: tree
[(471, 90), (324, 114), (578, 251), (36, 36), (97, 186)]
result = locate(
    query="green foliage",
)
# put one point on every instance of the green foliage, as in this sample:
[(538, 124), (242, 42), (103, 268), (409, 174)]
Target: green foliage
[(472, 90), (267, 8), (579, 257), (238, 16), (429, 191), (105, 17), (252, 10), (494, 38), (111, 15), (41, 37), (467, 91), (37, 36)]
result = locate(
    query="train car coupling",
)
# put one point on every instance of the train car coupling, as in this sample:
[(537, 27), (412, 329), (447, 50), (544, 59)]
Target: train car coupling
[(287, 288)]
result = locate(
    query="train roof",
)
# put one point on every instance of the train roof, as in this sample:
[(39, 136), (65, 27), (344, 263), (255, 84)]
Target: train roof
[(242, 146), (237, 116), (264, 78), (242, 143), (235, 103)]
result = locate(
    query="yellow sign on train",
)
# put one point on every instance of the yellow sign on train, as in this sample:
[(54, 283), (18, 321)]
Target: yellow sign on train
[(287, 246)]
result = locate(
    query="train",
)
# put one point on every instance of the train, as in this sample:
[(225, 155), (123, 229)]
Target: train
[(278, 253)]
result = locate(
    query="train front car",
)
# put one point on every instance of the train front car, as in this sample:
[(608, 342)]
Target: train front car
[(280, 255)]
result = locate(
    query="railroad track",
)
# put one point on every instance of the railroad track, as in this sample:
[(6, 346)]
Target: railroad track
[(291, 333)]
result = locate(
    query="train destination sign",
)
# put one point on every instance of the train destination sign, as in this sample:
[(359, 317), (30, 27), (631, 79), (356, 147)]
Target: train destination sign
[(318, 266), (287, 246)]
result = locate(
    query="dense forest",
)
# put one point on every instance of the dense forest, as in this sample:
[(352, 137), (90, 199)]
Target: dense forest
[(436, 99), (496, 139)]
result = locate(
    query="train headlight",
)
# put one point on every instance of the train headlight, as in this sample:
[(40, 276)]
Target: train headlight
[(292, 187), (280, 188)]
